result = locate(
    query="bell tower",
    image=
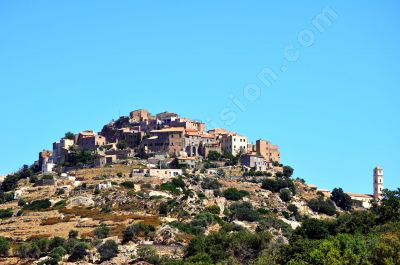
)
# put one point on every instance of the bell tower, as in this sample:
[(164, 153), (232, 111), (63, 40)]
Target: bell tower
[(378, 182)]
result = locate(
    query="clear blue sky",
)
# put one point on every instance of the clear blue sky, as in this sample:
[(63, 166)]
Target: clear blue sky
[(334, 110)]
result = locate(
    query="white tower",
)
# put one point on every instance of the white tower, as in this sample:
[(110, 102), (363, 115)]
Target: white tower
[(378, 182)]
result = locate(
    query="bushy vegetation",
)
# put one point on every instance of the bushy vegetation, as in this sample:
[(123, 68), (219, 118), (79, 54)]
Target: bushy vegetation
[(38, 205), (4, 246), (60, 204), (366, 237), (5, 213), (341, 199), (234, 194), (214, 209), (174, 186), (10, 183), (148, 254), (128, 184), (108, 250), (198, 225), (321, 205), (137, 230), (241, 246), (275, 185), (102, 231), (210, 184), (78, 252), (214, 156), (243, 211), (6, 196), (285, 194), (79, 158)]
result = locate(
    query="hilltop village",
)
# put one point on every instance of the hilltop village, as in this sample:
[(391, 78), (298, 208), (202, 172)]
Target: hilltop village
[(146, 189), (165, 140)]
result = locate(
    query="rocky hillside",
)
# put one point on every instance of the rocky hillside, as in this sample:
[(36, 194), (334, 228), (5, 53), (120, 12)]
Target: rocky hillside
[(109, 216)]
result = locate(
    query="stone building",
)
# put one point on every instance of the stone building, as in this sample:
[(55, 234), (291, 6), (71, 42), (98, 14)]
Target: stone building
[(269, 151), (61, 149), (167, 140), (88, 140), (140, 115), (255, 161), (188, 124), (44, 154), (234, 144), (194, 141), (131, 137)]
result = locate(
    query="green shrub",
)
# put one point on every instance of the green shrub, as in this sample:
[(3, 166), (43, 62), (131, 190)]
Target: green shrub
[(320, 205), (341, 199), (9, 183), (73, 234), (210, 184), (135, 230), (4, 246), (184, 227), (242, 246), (108, 250), (243, 211), (214, 209), (56, 242), (148, 254), (48, 177), (271, 221), (102, 231), (5, 213), (293, 208), (173, 186), (214, 156), (288, 171), (201, 221), (57, 253), (79, 251), (128, 184), (60, 204), (27, 250), (314, 229), (234, 195), (6, 196), (275, 185), (285, 194), (38, 205)]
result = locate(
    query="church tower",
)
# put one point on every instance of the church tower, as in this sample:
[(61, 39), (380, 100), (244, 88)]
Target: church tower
[(378, 182)]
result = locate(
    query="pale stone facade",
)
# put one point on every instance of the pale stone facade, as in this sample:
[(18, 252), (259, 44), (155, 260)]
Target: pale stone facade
[(378, 182), (234, 144)]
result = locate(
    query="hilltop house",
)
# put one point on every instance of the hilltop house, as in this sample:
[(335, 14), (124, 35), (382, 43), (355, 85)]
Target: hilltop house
[(255, 161), (88, 140), (269, 151), (168, 140), (61, 149), (234, 144)]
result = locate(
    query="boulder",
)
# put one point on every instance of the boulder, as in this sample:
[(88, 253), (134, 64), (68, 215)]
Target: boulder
[(81, 201)]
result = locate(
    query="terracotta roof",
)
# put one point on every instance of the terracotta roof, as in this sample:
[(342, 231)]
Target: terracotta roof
[(186, 158), (171, 129), (360, 195), (87, 133), (206, 135), (191, 130)]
